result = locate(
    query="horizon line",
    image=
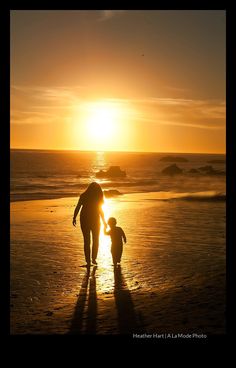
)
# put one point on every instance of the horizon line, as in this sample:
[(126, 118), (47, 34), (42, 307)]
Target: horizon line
[(78, 150)]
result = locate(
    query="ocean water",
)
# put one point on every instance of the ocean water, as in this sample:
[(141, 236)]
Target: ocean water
[(39, 174)]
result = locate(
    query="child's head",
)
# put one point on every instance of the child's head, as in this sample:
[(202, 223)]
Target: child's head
[(112, 222)]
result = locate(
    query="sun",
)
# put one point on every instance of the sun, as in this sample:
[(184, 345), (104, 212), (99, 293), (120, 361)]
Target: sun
[(101, 123)]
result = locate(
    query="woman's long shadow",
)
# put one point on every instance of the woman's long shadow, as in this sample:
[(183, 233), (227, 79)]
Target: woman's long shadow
[(88, 283), (127, 319)]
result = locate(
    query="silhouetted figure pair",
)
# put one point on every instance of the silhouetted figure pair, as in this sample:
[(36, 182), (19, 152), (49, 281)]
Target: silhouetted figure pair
[(91, 202)]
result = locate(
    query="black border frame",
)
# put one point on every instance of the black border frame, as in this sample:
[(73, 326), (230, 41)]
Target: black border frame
[(230, 160)]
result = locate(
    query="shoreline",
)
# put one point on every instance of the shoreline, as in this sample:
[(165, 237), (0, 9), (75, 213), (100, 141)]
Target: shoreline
[(46, 198), (151, 195)]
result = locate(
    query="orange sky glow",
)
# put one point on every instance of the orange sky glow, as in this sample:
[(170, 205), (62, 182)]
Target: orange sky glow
[(151, 81)]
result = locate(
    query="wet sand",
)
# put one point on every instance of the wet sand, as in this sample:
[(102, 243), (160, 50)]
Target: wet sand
[(171, 279)]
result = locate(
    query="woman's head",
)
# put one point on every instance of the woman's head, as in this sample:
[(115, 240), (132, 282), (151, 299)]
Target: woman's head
[(94, 191)]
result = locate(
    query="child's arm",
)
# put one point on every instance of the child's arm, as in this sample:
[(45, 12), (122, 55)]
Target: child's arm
[(123, 236), (107, 232)]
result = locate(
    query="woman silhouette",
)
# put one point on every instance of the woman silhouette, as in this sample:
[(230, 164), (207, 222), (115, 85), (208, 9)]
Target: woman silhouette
[(91, 202)]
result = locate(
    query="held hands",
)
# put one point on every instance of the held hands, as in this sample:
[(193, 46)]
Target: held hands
[(105, 227)]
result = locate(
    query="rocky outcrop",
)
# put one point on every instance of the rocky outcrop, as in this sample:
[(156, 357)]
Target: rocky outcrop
[(172, 170), (209, 170), (112, 172), (173, 159), (111, 193), (216, 162), (193, 171)]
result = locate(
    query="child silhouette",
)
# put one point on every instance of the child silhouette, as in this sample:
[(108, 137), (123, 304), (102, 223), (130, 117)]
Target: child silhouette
[(117, 236)]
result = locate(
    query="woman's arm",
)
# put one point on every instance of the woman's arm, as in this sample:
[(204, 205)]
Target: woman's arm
[(77, 208), (102, 216)]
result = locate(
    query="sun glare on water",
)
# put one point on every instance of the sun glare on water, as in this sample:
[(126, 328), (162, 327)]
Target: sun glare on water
[(106, 275), (104, 240)]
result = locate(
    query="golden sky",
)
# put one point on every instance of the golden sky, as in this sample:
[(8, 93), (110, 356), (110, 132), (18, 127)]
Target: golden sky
[(118, 80)]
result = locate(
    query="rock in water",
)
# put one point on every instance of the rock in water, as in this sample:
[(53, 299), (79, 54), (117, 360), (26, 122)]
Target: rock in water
[(207, 169), (216, 162), (112, 172), (193, 171), (173, 159), (172, 170), (111, 193)]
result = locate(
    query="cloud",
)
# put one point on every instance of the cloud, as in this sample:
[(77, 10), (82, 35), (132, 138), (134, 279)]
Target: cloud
[(201, 114), (181, 124), (177, 89), (49, 93), (37, 98), (33, 117), (41, 104)]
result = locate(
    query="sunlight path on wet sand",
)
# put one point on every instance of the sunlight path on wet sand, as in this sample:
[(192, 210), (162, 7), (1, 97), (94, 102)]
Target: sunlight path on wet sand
[(104, 289)]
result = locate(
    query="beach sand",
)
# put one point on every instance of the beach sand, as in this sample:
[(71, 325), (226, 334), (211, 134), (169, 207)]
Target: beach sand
[(171, 279)]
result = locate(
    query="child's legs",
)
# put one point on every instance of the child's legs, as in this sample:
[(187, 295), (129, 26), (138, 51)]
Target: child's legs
[(114, 259), (119, 253), (116, 252), (113, 253)]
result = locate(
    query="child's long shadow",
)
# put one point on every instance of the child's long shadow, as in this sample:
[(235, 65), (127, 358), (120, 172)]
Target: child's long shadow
[(127, 319), (89, 281)]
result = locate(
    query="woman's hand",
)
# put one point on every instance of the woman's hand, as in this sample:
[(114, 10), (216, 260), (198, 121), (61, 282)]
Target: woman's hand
[(74, 221)]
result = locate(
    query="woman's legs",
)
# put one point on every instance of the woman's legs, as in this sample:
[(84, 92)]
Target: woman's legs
[(86, 227), (86, 234), (95, 235)]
